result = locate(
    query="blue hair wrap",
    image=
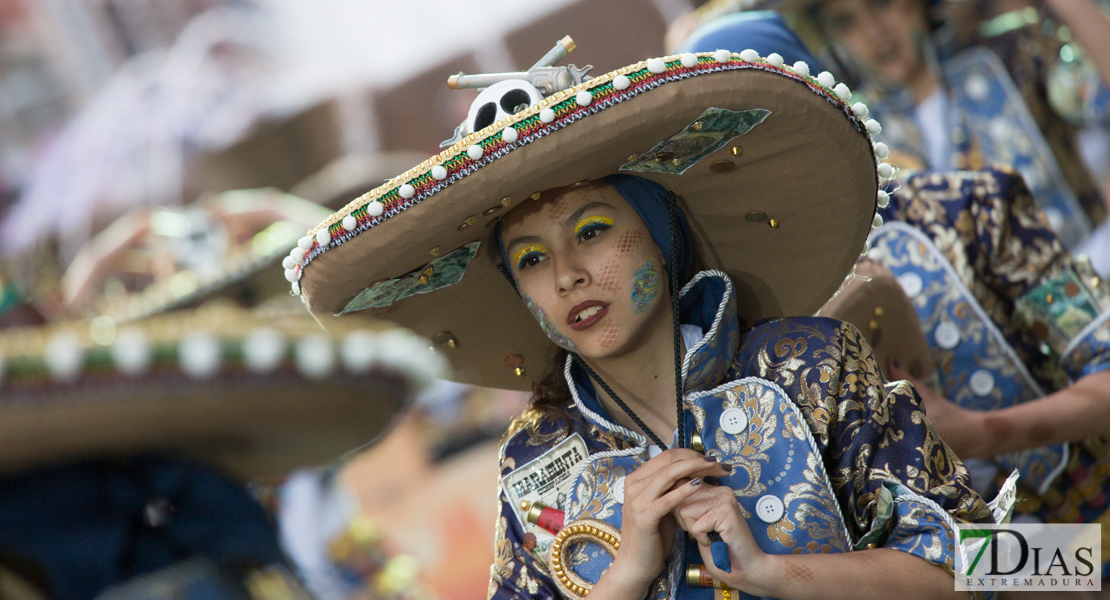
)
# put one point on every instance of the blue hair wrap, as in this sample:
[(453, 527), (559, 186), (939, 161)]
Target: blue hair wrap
[(652, 202), (764, 31)]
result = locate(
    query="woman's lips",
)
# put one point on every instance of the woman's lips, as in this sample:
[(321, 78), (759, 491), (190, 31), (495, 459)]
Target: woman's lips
[(587, 323)]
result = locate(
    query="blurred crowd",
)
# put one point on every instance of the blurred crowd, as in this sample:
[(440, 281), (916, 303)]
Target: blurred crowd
[(159, 160)]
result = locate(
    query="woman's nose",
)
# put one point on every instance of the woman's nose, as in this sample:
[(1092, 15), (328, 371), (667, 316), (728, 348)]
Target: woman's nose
[(570, 276)]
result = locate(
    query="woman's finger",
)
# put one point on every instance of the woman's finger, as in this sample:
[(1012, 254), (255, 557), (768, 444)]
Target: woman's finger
[(661, 461), (667, 502), (665, 478), (694, 508)]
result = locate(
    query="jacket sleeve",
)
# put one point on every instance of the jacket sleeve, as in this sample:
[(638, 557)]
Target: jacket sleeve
[(901, 487)]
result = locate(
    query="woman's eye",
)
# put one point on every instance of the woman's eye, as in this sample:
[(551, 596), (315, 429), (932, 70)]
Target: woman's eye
[(592, 227), (530, 260)]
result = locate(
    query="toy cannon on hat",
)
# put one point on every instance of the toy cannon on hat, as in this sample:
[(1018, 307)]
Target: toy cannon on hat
[(505, 94)]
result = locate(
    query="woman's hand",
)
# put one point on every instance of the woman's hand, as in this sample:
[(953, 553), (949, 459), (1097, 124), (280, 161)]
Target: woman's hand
[(648, 529), (962, 429), (714, 508)]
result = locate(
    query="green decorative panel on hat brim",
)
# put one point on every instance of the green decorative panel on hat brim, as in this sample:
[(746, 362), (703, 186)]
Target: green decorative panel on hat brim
[(809, 166)]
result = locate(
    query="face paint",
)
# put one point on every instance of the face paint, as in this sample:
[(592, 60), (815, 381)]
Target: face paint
[(645, 285), (527, 253), (592, 224), (547, 326)]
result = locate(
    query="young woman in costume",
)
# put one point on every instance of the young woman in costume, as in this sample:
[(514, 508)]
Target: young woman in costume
[(576, 230)]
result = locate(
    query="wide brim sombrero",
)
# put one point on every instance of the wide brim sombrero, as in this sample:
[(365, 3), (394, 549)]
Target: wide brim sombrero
[(784, 208), (254, 396), (874, 301)]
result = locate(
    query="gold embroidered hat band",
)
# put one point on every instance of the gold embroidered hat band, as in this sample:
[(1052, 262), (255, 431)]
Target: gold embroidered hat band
[(776, 172)]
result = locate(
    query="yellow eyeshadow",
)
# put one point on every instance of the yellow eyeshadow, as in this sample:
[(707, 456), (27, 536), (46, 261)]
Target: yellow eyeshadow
[(598, 220), (525, 251)]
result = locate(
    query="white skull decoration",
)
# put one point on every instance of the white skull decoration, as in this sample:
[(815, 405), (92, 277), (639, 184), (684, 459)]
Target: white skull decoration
[(500, 100)]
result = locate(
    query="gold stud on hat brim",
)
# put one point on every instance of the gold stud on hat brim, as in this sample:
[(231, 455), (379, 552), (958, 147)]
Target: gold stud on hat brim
[(830, 201)]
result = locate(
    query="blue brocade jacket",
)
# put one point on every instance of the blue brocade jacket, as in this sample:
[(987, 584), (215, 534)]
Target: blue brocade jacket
[(1009, 315), (827, 456)]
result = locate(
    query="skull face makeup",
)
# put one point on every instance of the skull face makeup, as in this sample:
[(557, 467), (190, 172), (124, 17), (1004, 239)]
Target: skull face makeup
[(575, 254)]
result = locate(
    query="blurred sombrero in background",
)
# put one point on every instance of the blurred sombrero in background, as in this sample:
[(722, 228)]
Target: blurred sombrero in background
[(255, 394)]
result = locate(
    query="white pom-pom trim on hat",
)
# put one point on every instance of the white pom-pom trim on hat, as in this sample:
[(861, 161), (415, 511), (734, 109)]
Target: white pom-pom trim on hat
[(873, 127), (656, 65), (881, 150), (689, 60), (884, 199), (65, 357), (375, 208), (323, 237), (407, 191), (826, 79), (749, 55), (842, 92), (439, 173), (877, 222), (722, 56), (291, 275), (583, 98), (288, 263), (885, 170), (547, 115), (775, 59), (199, 355), (620, 83), (350, 222), (509, 135), (801, 68), (263, 350), (297, 254), (315, 356), (359, 351), (131, 352), (475, 152), (860, 109), (305, 243), (296, 288)]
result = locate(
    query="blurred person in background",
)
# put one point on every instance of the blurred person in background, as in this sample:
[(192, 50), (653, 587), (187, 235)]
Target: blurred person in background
[(1017, 95)]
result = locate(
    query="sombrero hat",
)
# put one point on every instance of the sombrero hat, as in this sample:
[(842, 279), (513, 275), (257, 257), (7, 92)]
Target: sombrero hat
[(779, 186), (874, 301), (256, 396)]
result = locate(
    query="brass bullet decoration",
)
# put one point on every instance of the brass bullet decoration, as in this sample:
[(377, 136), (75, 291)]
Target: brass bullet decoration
[(507, 200), (774, 223), (696, 126), (535, 196), (736, 150), (878, 311), (1049, 298), (519, 371), (434, 251)]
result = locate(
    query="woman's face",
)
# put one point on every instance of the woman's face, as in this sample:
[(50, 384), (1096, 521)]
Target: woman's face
[(587, 268), (881, 34)]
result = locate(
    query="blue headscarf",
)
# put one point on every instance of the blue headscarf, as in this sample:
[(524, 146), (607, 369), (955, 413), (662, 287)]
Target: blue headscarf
[(764, 31), (652, 202)]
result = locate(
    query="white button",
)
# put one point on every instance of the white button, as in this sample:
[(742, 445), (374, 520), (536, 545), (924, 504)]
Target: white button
[(769, 509), (911, 284), (982, 382), (734, 421), (618, 490), (947, 335)]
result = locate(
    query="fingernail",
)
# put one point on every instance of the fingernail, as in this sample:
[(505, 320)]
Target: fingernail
[(727, 467), (695, 481), (710, 458)]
